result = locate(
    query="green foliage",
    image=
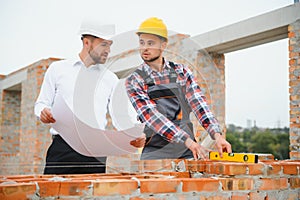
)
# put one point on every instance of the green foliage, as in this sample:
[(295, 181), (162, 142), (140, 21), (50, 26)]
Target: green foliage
[(255, 140), (235, 141), (262, 142)]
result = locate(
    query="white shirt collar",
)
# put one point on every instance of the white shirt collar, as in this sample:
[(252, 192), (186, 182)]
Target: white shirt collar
[(77, 61)]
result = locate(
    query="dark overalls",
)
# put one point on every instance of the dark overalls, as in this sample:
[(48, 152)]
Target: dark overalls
[(170, 101)]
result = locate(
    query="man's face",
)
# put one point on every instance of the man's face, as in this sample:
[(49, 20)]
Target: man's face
[(99, 50), (151, 47)]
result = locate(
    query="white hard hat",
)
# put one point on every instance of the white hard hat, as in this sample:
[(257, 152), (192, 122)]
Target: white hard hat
[(97, 29)]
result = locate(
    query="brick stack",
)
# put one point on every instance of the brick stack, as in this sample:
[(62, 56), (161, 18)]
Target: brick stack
[(166, 179)]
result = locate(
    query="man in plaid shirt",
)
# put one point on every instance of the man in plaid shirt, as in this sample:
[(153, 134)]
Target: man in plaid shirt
[(163, 94)]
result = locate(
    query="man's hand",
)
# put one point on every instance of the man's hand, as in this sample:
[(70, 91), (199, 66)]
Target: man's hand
[(222, 145), (198, 150), (139, 142), (46, 116)]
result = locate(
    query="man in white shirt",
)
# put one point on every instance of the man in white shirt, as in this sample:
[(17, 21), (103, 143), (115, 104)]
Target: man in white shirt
[(63, 78)]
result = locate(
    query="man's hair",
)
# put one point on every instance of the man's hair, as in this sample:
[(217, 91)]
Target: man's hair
[(160, 37), (88, 36)]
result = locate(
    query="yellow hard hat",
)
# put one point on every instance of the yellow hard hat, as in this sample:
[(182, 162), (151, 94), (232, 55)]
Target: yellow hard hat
[(154, 26)]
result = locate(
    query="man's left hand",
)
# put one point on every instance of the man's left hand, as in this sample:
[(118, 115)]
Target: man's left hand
[(139, 142), (222, 144)]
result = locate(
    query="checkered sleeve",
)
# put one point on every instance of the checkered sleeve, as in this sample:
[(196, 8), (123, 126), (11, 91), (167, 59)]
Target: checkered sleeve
[(147, 112), (199, 105)]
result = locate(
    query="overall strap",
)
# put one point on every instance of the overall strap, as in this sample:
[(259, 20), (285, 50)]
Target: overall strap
[(173, 74), (173, 77), (148, 80)]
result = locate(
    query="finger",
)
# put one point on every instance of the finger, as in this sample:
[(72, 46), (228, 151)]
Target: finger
[(202, 153), (48, 114), (44, 118), (195, 154), (228, 148), (49, 119), (220, 150), (133, 143)]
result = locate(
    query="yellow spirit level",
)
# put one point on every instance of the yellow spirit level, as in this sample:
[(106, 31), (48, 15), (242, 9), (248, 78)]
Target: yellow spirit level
[(234, 157)]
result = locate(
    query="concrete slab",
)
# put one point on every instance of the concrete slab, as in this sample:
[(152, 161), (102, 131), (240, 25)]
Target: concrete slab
[(254, 31)]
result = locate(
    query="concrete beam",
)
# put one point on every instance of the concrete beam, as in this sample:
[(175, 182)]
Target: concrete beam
[(254, 31), (13, 81)]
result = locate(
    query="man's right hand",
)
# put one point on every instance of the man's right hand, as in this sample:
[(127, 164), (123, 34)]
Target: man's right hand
[(46, 116), (198, 150)]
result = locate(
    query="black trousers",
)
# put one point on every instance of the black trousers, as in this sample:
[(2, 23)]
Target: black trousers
[(62, 159)]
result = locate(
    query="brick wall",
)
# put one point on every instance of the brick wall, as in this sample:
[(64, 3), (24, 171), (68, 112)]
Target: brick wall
[(294, 83), (10, 131), (10, 123), (24, 140), (166, 179)]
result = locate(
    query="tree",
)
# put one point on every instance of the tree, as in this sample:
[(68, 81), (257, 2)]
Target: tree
[(283, 149), (236, 144), (256, 140), (263, 142)]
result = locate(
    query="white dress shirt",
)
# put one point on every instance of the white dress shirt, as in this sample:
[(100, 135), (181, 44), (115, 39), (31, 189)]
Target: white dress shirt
[(86, 90)]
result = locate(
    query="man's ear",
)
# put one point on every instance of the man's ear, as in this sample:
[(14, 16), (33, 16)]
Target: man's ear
[(164, 45), (86, 42)]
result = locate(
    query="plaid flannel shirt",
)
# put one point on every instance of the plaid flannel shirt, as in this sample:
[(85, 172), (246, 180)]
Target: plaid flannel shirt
[(146, 108)]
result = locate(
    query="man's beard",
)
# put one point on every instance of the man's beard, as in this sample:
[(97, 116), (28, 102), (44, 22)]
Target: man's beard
[(96, 59), (151, 59)]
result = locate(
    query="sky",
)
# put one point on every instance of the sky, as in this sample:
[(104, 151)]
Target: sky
[(256, 78)]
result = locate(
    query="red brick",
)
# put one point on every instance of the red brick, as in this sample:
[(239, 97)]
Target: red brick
[(74, 188), (257, 195), (17, 191), (159, 185), (292, 61), (201, 184), (227, 168), (265, 157), (295, 154), (148, 198), (293, 196), (293, 54), (291, 34), (294, 182), (214, 197), (196, 165), (167, 174), (256, 169), (49, 188), (108, 187), (291, 168), (272, 168), (232, 184), (273, 184), (239, 196), (155, 165)]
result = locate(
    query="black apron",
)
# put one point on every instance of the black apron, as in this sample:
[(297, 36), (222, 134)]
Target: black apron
[(170, 101)]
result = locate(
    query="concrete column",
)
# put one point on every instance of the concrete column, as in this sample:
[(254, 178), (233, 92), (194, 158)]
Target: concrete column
[(211, 78), (294, 83)]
